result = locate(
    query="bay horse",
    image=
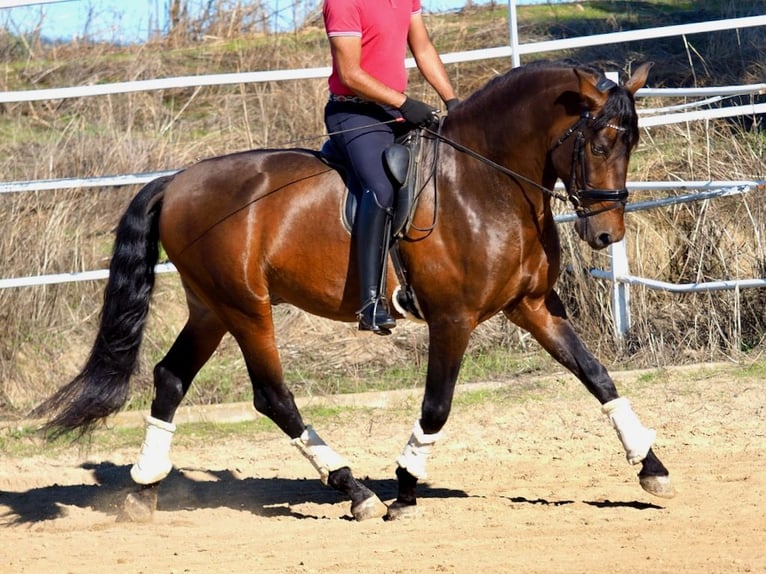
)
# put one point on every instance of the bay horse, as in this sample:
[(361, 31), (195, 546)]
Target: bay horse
[(250, 230)]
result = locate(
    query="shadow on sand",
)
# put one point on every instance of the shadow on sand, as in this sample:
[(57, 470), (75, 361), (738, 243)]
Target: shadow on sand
[(186, 489)]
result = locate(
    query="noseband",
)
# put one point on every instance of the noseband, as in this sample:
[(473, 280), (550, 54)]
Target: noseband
[(577, 194)]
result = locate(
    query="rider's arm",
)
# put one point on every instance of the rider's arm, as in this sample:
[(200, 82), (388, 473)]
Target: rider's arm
[(427, 59), (347, 53)]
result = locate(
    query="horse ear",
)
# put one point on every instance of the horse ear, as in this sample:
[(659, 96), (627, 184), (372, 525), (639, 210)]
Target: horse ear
[(638, 79), (593, 97)]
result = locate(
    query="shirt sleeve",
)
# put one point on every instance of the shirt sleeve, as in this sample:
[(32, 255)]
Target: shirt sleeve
[(342, 18)]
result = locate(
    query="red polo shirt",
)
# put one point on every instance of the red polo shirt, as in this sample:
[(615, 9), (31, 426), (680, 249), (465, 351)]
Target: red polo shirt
[(383, 26)]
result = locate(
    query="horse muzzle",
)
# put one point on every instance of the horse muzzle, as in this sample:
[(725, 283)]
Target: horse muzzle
[(601, 227)]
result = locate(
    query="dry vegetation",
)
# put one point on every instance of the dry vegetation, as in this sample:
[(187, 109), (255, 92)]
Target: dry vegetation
[(48, 330)]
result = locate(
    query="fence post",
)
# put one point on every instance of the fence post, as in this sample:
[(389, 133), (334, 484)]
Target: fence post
[(619, 268), (513, 24), (620, 290)]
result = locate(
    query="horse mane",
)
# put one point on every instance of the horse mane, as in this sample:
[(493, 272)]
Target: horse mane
[(501, 84), (619, 107)]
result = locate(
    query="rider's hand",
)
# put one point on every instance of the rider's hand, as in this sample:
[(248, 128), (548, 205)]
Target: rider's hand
[(418, 113), (451, 104)]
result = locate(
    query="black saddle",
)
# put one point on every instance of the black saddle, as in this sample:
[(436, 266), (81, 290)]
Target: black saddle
[(400, 161)]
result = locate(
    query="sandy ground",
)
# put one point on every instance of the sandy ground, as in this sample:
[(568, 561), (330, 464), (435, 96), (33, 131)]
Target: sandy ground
[(530, 482)]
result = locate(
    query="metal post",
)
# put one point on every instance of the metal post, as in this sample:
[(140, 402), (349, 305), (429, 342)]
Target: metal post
[(620, 290), (514, 29), (619, 268)]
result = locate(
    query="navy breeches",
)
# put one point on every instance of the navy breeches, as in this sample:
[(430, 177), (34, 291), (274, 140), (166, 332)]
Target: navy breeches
[(359, 132)]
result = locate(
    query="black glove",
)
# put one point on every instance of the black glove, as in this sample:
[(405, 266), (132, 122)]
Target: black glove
[(451, 104), (418, 113)]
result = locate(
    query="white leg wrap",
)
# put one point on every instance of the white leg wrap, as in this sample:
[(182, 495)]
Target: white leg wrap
[(154, 461), (321, 456), (635, 437), (416, 452)]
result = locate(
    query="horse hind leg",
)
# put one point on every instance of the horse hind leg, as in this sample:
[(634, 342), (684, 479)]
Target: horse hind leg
[(172, 378), (335, 472), (272, 398)]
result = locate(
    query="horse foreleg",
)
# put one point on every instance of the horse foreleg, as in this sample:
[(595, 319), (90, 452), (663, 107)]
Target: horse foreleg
[(546, 321), (447, 344)]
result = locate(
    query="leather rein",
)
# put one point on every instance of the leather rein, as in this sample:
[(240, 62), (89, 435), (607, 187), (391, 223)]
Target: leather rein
[(575, 195)]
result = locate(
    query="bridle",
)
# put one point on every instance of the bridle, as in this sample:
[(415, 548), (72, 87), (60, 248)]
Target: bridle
[(575, 194)]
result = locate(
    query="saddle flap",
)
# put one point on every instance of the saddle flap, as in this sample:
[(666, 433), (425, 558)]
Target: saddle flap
[(400, 161), (401, 164), (397, 161)]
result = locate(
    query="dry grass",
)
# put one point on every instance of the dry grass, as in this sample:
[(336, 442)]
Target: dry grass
[(688, 243), (48, 330)]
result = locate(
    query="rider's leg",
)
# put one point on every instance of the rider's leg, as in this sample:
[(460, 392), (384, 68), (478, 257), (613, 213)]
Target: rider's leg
[(373, 223), (363, 131)]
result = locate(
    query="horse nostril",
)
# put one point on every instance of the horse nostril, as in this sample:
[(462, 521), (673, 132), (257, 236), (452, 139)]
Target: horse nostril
[(605, 239)]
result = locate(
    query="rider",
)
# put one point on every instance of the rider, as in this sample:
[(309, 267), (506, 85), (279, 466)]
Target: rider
[(368, 42)]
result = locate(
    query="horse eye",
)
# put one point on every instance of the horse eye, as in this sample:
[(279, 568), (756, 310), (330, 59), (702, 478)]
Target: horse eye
[(599, 149)]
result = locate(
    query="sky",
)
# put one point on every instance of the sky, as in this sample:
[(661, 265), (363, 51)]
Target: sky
[(129, 21)]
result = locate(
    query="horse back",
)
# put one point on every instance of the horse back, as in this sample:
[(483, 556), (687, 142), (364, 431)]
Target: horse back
[(262, 226)]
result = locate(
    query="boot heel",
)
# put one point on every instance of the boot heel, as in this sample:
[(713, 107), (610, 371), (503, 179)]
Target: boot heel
[(374, 317)]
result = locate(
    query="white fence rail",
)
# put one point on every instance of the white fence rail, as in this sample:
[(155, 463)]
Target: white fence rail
[(323, 72), (619, 270)]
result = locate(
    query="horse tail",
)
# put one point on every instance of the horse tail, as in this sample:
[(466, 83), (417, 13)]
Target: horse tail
[(101, 388)]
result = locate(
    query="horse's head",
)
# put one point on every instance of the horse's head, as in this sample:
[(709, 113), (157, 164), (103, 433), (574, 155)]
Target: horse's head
[(591, 157)]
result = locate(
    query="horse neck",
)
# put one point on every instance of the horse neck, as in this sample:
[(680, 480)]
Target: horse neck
[(513, 123), (512, 128)]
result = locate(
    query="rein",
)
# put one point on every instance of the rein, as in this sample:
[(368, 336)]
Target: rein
[(493, 164), (574, 194)]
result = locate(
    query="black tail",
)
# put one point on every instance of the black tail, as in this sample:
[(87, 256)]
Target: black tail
[(101, 388)]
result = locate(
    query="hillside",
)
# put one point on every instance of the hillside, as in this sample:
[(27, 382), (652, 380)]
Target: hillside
[(48, 330)]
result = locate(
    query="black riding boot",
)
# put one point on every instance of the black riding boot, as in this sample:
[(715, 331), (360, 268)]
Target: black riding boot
[(372, 226)]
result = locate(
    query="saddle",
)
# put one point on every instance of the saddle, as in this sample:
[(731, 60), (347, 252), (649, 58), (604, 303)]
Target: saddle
[(401, 160), (401, 163)]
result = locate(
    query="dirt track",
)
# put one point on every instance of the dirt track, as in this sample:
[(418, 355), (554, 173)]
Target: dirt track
[(533, 482)]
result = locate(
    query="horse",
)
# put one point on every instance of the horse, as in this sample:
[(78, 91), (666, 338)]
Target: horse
[(254, 229)]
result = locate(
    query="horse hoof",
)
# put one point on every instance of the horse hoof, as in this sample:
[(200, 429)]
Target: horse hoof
[(399, 511), (139, 506), (657, 485), (369, 508)]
